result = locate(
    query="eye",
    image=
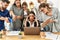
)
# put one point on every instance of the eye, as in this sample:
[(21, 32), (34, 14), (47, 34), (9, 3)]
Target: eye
[(41, 10), (24, 7)]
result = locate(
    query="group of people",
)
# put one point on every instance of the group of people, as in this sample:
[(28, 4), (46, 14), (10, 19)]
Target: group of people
[(42, 15)]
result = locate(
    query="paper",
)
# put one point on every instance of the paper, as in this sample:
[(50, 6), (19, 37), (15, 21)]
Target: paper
[(51, 36), (12, 33)]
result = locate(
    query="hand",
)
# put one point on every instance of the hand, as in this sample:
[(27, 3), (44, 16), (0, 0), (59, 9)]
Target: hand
[(14, 18), (19, 17), (6, 19)]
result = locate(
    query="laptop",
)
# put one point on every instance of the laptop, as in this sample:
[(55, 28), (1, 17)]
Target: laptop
[(32, 30)]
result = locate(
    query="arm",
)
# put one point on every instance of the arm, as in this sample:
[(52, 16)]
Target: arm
[(4, 18), (13, 15)]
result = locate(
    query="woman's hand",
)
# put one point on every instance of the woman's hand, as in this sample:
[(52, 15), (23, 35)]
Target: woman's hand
[(14, 18), (19, 17)]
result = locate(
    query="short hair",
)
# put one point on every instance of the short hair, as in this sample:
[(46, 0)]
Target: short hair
[(43, 5), (24, 3), (7, 1)]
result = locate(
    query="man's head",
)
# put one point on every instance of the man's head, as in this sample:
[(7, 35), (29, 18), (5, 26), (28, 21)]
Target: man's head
[(44, 7), (5, 3)]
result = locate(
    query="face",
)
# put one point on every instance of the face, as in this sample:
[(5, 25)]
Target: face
[(17, 2), (5, 5), (31, 6), (44, 10), (24, 7), (0, 4), (31, 17), (41, 1)]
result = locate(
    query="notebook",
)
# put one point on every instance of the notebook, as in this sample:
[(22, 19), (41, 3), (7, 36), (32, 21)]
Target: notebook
[(12, 33)]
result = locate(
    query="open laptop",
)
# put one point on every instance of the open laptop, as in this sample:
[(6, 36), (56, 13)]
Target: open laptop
[(32, 30)]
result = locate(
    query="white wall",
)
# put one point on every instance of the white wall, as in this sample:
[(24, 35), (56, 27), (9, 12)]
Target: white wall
[(59, 4), (56, 3)]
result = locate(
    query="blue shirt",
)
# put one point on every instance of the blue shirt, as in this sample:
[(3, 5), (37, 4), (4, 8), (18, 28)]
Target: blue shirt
[(4, 13)]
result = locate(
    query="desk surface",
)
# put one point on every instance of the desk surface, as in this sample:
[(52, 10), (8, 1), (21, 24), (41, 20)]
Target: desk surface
[(25, 37)]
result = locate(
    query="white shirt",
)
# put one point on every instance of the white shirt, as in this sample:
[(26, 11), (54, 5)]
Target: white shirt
[(25, 13), (31, 25)]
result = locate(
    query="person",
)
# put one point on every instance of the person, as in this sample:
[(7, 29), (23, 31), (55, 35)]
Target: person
[(4, 14), (37, 7), (31, 21), (53, 15), (40, 15), (25, 8), (17, 15), (32, 8)]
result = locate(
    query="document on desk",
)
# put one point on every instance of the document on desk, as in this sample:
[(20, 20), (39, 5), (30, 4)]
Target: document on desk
[(51, 36), (12, 33)]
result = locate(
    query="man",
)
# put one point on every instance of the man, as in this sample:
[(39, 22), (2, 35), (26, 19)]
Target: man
[(4, 14)]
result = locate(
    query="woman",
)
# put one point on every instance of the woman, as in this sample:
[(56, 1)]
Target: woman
[(17, 15), (31, 21), (52, 14), (25, 8)]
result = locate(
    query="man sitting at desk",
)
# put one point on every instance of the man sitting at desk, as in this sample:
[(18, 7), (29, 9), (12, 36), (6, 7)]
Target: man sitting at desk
[(31, 20)]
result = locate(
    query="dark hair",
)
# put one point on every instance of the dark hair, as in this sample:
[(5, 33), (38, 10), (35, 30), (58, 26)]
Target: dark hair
[(24, 3), (31, 12), (15, 4), (44, 5), (31, 3), (7, 1)]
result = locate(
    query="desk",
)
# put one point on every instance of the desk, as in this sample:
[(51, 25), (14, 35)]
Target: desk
[(25, 37)]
